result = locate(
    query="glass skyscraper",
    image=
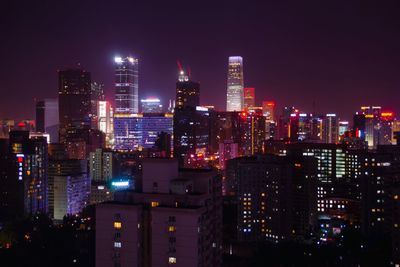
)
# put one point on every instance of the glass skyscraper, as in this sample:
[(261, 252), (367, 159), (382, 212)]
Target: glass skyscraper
[(126, 85), (234, 95)]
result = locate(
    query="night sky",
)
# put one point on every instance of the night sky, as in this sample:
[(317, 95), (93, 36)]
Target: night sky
[(338, 54)]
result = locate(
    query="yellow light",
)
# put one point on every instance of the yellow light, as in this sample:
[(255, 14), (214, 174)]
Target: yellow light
[(171, 228), (117, 225), (154, 204)]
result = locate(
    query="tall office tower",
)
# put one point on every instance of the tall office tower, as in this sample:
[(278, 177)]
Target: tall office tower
[(276, 196), (141, 130), (47, 118), (268, 109), (284, 122), (97, 94), (101, 165), (151, 105), (74, 92), (187, 92), (126, 85), (174, 219), (252, 133), (69, 184), (249, 95), (343, 127), (385, 126), (106, 121), (330, 129), (371, 116), (234, 95), (359, 125), (191, 136), (27, 180)]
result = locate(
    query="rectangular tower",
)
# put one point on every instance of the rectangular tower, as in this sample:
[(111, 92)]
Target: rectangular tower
[(234, 96), (74, 92), (126, 85)]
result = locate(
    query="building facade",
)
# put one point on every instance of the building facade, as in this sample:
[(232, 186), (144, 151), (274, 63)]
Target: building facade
[(234, 96), (126, 85)]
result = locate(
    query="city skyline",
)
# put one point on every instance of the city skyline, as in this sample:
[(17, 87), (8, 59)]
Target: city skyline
[(294, 61)]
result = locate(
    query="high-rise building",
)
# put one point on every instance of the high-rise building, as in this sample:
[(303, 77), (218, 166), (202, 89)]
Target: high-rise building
[(252, 133), (138, 131), (69, 185), (187, 91), (101, 165), (330, 129), (47, 118), (126, 85), (174, 219), (191, 135), (26, 184), (234, 96), (285, 122), (249, 95), (97, 94), (74, 95), (385, 128), (276, 196), (268, 109), (343, 127), (106, 121), (151, 105)]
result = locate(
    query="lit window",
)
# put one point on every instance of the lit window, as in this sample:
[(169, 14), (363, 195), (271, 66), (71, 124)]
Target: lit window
[(117, 245), (171, 228), (171, 260), (117, 225), (154, 204)]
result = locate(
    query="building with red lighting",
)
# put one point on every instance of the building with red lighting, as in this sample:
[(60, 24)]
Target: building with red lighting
[(249, 97)]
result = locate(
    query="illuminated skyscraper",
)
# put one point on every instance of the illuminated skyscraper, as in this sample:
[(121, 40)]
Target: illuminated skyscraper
[(126, 85), (97, 94), (249, 98), (234, 96), (105, 122), (187, 92), (330, 129)]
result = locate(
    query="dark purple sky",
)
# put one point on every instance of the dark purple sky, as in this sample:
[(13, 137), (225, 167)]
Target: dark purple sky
[(339, 54)]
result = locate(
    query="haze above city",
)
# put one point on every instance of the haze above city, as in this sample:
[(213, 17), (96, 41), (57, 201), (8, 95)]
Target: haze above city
[(334, 56)]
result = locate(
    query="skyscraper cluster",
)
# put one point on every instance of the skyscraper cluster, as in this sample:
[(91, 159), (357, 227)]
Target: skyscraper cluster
[(160, 180)]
